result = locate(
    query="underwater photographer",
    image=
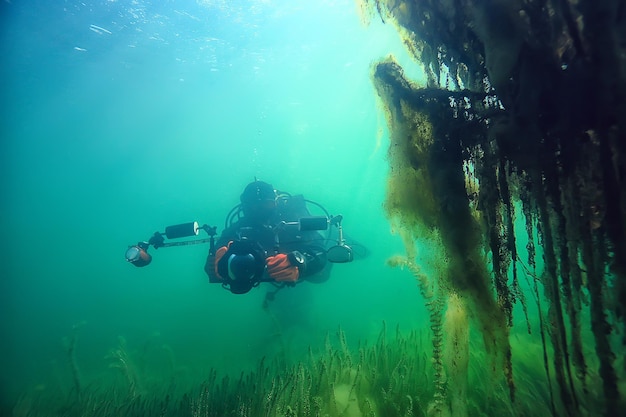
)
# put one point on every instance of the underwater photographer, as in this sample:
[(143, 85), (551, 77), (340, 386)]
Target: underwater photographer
[(269, 237)]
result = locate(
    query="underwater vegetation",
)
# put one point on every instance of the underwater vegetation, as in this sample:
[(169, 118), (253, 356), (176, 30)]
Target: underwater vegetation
[(521, 116), (520, 121), (391, 376)]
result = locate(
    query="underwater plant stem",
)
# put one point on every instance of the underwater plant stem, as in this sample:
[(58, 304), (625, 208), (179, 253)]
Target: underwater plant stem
[(555, 312), (599, 325), (71, 351), (456, 354), (542, 331), (570, 272), (434, 307)]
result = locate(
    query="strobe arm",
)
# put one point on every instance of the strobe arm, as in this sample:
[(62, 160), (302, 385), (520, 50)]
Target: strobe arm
[(339, 253), (138, 254)]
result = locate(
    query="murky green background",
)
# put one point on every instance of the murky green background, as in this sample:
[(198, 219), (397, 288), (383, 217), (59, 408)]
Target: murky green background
[(109, 137)]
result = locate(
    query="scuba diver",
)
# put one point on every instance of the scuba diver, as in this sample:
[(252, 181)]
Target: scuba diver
[(267, 224), (269, 237)]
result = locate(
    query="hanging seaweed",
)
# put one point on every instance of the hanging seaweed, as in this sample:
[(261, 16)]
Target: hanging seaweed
[(427, 193), (490, 202), (532, 94)]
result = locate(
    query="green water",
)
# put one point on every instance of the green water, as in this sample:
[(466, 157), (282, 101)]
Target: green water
[(164, 121), (123, 117)]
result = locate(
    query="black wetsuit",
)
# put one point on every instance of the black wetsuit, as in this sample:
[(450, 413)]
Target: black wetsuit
[(277, 235)]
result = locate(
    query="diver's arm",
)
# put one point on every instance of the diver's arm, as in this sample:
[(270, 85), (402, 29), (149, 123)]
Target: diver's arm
[(209, 266)]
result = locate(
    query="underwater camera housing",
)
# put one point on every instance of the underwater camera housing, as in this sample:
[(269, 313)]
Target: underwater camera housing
[(242, 266)]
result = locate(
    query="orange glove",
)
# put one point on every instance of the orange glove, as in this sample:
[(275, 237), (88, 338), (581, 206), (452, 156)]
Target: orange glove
[(218, 255), (280, 268)]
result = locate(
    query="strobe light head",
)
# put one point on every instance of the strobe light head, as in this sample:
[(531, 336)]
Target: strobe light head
[(138, 255)]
